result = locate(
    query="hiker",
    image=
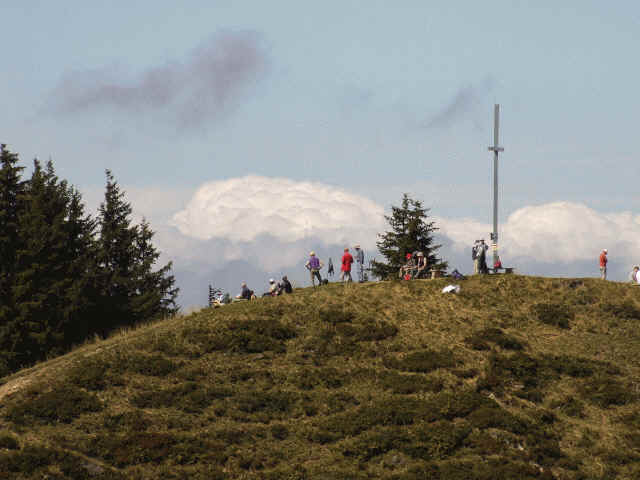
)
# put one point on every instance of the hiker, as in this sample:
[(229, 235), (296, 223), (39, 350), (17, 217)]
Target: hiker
[(421, 265), (345, 269), (330, 268), (245, 294), (497, 264), (314, 265), (633, 276), (285, 285), (603, 264), (475, 258), (481, 253), (360, 262)]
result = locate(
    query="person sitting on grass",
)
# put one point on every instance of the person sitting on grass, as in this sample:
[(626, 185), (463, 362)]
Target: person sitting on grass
[(245, 294), (409, 268), (421, 266), (285, 285)]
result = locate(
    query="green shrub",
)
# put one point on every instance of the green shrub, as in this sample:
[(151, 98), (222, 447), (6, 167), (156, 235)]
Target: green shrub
[(405, 384), (626, 310), (423, 361), (376, 442), (480, 340), (569, 406), (190, 397), (437, 440), (381, 412), (26, 461), (269, 402), (455, 404), (133, 420), (279, 432), (335, 315), (308, 379), (253, 336), (91, 374), (493, 416), (63, 403), (151, 365), (556, 314), (604, 391), (8, 442)]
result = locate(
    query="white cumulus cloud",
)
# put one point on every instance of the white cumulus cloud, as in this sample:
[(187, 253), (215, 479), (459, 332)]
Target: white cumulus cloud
[(244, 209), (554, 232)]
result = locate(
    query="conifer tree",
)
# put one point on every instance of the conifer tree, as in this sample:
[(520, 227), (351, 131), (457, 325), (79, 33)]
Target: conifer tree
[(411, 231), (52, 268), (129, 290), (11, 187)]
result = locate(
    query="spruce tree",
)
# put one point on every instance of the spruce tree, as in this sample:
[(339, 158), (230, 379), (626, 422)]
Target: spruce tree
[(411, 231), (11, 187), (129, 290), (53, 268)]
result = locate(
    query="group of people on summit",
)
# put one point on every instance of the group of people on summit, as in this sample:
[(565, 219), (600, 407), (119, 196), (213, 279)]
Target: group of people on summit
[(414, 267), (314, 265)]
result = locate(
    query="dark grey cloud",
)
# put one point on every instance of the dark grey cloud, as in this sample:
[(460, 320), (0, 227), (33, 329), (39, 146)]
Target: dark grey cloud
[(189, 92), (466, 100)]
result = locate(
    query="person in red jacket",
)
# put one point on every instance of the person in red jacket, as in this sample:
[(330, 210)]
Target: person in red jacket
[(345, 270), (603, 264)]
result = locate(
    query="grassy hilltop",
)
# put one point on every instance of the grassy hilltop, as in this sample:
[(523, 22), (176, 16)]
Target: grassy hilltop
[(514, 378)]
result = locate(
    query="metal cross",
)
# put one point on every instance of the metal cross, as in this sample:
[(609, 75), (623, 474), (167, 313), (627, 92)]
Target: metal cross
[(496, 149)]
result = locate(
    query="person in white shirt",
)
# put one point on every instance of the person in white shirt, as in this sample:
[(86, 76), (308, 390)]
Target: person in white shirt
[(633, 276)]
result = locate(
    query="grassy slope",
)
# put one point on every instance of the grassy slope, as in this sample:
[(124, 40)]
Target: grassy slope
[(381, 380)]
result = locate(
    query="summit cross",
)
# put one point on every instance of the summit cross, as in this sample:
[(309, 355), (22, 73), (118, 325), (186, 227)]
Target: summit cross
[(496, 149)]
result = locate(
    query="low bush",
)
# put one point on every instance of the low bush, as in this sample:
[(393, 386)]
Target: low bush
[(604, 391), (335, 315), (190, 397), (8, 442), (91, 374), (569, 406), (438, 440), (405, 384), (556, 314), (253, 336), (480, 340), (308, 379), (63, 403), (423, 361), (626, 310)]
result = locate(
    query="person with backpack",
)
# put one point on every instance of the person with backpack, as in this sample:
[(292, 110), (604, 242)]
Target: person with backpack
[(360, 262), (345, 269), (314, 265), (285, 285)]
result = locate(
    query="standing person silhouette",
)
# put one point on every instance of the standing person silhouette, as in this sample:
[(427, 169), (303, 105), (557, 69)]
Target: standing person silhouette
[(314, 265), (603, 264), (345, 269), (360, 261)]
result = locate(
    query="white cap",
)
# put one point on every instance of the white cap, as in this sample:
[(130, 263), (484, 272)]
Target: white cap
[(604, 250), (271, 280)]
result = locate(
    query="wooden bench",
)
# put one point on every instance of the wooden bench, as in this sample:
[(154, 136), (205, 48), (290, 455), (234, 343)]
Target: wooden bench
[(506, 270), (436, 273)]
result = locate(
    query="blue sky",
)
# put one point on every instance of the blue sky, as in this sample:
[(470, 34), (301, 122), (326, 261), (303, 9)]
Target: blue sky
[(374, 98)]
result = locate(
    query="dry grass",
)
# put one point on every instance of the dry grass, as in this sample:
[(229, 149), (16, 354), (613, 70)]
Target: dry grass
[(514, 378)]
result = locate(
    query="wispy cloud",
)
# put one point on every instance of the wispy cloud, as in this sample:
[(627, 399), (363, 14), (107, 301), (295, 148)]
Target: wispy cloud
[(466, 100), (189, 92)]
